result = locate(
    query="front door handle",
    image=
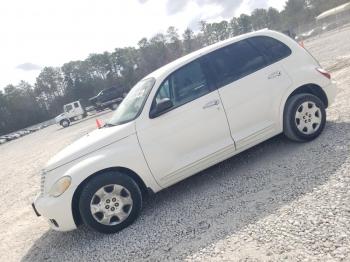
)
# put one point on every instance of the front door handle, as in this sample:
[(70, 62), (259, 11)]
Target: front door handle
[(211, 104)]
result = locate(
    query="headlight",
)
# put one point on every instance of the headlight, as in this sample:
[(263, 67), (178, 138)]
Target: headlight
[(60, 186)]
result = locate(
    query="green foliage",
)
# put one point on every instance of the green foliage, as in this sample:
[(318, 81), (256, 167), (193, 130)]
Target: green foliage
[(19, 108), (24, 105)]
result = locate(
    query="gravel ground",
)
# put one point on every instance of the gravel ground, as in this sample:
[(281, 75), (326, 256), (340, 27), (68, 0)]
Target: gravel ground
[(277, 201)]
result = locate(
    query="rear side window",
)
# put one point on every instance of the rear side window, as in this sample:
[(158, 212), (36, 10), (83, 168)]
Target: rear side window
[(235, 61), (76, 105), (272, 49)]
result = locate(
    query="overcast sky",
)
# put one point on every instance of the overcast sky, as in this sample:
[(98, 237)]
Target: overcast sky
[(37, 33)]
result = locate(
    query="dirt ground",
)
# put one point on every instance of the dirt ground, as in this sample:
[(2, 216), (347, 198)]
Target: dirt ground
[(277, 201)]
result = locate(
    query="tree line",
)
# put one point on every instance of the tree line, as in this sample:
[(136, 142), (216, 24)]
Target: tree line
[(23, 104)]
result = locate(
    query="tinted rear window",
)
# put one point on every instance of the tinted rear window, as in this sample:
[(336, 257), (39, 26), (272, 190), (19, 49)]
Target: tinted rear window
[(235, 61), (272, 49)]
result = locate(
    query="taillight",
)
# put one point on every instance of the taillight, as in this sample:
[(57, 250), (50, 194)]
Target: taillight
[(323, 72)]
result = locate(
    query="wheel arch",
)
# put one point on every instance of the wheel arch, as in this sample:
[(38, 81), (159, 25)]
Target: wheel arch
[(77, 193), (310, 88)]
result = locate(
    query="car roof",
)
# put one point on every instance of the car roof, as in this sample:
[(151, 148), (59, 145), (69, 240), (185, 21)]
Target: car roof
[(168, 68)]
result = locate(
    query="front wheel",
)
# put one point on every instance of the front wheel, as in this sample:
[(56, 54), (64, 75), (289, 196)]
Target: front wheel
[(110, 202), (65, 123), (304, 117)]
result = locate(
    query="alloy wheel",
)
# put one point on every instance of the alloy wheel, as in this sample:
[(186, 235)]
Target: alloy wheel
[(111, 204), (308, 118)]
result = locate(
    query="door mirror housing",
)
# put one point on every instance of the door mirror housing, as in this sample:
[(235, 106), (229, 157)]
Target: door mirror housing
[(161, 107)]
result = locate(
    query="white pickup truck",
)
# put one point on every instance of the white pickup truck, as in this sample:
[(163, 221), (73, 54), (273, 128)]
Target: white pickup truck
[(71, 112), (75, 111)]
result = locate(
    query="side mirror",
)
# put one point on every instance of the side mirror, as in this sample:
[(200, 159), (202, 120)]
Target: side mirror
[(161, 107)]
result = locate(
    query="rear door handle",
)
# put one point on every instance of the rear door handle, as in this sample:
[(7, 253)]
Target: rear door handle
[(211, 104)]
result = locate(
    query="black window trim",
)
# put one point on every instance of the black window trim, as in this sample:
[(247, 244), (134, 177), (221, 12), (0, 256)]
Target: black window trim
[(208, 77)]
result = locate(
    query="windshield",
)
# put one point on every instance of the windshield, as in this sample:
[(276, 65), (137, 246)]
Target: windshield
[(133, 103)]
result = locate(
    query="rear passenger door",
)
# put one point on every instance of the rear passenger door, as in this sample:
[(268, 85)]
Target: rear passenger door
[(251, 81)]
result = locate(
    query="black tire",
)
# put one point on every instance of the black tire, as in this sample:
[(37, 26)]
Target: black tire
[(65, 123), (290, 123), (98, 182)]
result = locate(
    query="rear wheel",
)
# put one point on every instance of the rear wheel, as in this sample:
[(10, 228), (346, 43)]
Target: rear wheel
[(110, 202), (304, 117), (64, 123)]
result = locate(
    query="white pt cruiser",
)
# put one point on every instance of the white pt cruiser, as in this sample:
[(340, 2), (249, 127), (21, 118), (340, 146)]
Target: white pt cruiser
[(183, 118)]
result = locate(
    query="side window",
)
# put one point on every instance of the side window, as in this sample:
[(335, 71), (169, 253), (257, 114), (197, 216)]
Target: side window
[(164, 91), (235, 61), (69, 108), (76, 104), (186, 84), (273, 49)]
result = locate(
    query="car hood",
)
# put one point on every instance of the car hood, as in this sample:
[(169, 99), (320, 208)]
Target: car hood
[(89, 143)]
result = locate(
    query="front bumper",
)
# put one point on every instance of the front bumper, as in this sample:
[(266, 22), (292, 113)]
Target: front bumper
[(57, 210)]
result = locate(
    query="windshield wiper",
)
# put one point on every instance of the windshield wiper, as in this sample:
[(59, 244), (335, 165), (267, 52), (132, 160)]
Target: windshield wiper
[(108, 125)]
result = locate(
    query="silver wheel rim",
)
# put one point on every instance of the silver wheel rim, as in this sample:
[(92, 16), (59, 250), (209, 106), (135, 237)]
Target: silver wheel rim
[(111, 204), (308, 118)]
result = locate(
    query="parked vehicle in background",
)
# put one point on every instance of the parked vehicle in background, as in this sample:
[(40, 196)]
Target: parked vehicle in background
[(71, 112), (310, 33), (107, 98), (7, 138), (23, 132), (10, 137), (181, 119)]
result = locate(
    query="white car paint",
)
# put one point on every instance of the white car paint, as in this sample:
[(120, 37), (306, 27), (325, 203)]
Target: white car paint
[(190, 138), (199, 138)]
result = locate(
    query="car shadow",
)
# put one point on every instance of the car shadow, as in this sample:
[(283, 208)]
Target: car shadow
[(212, 205)]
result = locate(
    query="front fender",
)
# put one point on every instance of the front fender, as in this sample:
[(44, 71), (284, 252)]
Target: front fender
[(125, 153)]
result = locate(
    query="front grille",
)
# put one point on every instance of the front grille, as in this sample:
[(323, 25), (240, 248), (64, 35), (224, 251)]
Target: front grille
[(42, 183)]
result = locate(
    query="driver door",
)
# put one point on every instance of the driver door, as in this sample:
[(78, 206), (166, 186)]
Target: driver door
[(193, 134), (69, 109)]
